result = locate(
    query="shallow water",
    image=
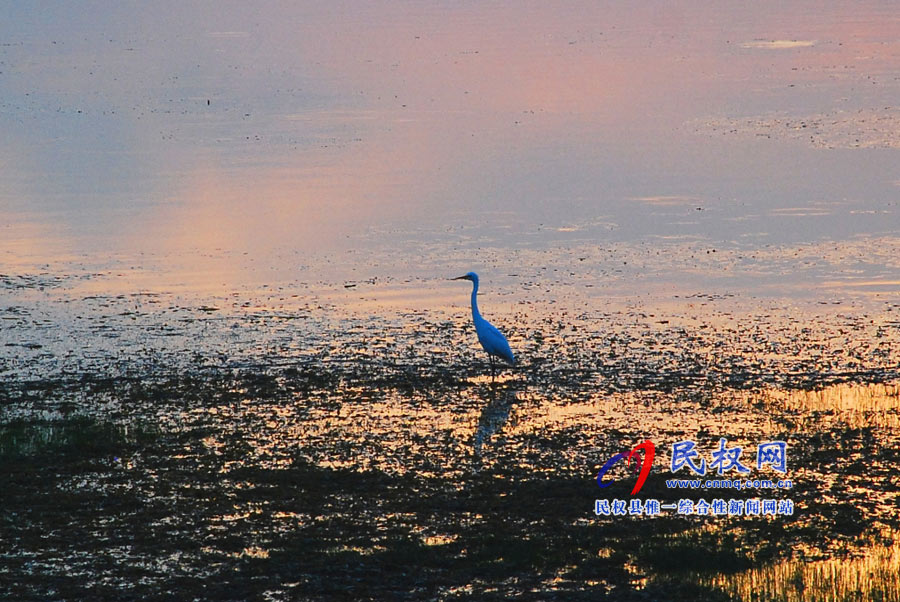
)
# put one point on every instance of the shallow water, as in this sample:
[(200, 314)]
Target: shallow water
[(235, 145), (258, 434), (232, 365)]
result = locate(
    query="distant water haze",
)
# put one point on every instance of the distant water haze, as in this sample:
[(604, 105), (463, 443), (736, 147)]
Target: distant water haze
[(233, 142)]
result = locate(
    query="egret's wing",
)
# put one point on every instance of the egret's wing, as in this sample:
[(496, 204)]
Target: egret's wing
[(493, 341)]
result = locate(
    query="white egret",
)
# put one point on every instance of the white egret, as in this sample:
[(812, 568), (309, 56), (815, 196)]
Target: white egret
[(491, 339)]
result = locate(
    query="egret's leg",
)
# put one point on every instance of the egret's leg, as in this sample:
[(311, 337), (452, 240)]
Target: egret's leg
[(491, 357)]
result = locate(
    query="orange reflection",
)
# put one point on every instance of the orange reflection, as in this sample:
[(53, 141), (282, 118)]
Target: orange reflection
[(855, 405), (870, 574)]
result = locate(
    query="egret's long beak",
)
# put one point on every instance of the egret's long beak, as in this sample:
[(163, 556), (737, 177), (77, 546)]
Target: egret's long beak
[(466, 277)]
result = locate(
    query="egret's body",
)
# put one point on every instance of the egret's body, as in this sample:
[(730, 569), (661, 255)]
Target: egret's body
[(491, 339)]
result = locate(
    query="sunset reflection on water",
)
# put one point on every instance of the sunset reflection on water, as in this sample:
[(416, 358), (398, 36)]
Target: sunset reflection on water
[(300, 129)]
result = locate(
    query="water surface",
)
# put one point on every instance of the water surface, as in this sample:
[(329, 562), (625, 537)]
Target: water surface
[(186, 138)]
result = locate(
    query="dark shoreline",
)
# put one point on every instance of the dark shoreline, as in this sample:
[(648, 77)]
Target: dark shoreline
[(97, 503)]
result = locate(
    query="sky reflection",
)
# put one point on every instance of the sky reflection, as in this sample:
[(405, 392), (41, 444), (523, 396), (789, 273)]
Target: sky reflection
[(284, 133)]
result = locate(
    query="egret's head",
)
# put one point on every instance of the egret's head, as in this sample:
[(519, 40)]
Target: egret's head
[(470, 276)]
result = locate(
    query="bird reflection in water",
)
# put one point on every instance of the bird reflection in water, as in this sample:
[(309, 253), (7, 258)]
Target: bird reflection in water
[(495, 414)]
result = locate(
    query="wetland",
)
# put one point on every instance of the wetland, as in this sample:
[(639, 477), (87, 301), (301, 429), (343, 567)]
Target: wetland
[(233, 366)]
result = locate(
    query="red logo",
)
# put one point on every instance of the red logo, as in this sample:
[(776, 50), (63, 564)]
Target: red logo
[(644, 462)]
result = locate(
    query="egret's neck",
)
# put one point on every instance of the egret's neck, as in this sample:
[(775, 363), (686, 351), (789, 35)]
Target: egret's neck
[(475, 315)]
